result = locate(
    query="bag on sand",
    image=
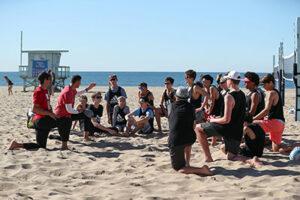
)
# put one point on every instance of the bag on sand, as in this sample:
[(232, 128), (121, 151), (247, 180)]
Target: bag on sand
[(30, 116)]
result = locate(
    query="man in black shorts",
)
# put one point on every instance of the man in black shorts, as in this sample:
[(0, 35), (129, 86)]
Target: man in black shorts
[(182, 136), (230, 126)]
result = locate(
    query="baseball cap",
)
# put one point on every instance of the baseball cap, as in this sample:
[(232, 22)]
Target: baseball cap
[(182, 93), (233, 75)]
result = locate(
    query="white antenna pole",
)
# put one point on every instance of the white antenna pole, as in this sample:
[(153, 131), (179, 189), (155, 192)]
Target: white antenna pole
[(21, 48)]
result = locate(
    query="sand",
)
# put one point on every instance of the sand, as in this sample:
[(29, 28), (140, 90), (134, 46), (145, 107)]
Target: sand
[(131, 168)]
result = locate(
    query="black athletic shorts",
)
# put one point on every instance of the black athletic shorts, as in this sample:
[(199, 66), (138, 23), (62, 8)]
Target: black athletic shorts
[(213, 129), (177, 156)]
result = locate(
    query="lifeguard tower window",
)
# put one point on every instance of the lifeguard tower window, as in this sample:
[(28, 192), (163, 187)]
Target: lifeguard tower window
[(43, 60)]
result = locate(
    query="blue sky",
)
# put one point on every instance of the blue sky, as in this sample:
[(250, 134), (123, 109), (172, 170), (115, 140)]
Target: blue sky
[(150, 35)]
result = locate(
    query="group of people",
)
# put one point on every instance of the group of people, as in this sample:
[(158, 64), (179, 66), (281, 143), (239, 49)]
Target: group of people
[(198, 111)]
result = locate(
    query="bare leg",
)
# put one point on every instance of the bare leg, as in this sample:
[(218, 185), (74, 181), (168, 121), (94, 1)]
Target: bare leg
[(202, 138), (158, 114), (195, 170), (187, 152), (275, 147), (86, 136), (288, 148), (15, 145), (214, 141)]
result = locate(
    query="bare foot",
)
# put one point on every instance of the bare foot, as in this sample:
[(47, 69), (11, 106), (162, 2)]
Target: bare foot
[(87, 139), (206, 171), (256, 162), (14, 145)]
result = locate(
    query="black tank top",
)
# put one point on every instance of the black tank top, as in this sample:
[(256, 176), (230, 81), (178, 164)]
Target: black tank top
[(276, 112), (121, 117), (169, 99), (260, 105), (195, 102), (237, 116), (218, 105), (113, 98), (148, 97), (144, 114)]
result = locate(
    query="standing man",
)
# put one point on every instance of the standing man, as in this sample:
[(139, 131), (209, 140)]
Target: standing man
[(230, 126), (182, 135), (275, 123), (195, 95), (111, 96), (44, 118), (65, 106)]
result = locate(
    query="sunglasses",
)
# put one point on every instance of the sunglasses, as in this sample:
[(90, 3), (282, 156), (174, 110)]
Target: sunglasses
[(82, 100), (98, 97), (167, 83), (113, 79), (141, 88), (186, 77)]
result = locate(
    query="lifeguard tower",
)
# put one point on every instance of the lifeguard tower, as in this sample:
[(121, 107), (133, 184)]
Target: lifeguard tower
[(43, 60)]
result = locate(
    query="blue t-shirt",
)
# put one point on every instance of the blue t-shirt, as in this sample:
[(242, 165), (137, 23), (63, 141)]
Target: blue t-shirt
[(136, 112), (123, 93)]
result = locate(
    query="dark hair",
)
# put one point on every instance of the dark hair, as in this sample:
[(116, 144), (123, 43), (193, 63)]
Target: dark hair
[(143, 84), (209, 78), (252, 76), (145, 98), (198, 83), (191, 73), (248, 117), (236, 82), (75, 78), (5, 77), (96, 94), (84, 97), (42, 76), (170, 79), (219, 77), (267, 78)]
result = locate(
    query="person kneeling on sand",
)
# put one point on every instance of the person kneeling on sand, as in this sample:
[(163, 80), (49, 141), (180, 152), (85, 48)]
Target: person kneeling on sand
[(182, 122), (95, 121), (44, 118), (275, 122), (145, 114)]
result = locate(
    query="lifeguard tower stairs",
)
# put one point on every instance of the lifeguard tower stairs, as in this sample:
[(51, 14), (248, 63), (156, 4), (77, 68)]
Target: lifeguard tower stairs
[(43, 60)]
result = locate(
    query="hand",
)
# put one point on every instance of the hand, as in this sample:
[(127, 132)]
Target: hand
[(80, 110), (54, 116), (91, 86)]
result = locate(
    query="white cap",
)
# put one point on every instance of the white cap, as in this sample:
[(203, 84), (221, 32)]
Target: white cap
[(233, 75)]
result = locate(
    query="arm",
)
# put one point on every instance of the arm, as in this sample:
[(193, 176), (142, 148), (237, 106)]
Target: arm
[(107, 109), (229, 104), (162, 100), (81, 92), (265, 111), (248, 131), (114, 117), (36, 109), (254, 103), (151, 98), (212, 91), (70, 109), (206, 97)]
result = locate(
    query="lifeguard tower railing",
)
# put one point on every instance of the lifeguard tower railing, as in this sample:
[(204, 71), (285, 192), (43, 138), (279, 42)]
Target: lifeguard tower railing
[(43, 60)]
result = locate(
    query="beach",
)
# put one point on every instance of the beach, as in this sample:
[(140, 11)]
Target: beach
[(138, 167)]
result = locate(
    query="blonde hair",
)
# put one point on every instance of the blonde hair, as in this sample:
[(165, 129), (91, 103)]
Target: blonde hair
[(121, 98)]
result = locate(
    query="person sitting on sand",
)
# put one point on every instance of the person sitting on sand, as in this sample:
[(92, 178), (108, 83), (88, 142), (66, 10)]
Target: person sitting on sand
[(144, 92), (82, 106), (254, 138), (195, 95), (275, 122), (44, 118), (255, 102), (111, 96), (182, 122), (65, 105), (143, 124), (120, 111), (168, 97), (95, 125), (9, 84), (229, 126)]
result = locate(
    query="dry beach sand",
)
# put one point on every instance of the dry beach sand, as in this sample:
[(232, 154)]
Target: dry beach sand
[(131, 168)]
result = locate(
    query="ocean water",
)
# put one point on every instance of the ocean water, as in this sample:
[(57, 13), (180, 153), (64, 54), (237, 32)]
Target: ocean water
[(154, 79)]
